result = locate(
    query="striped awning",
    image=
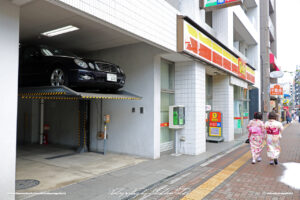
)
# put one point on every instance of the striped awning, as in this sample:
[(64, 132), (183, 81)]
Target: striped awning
[(65, 93)]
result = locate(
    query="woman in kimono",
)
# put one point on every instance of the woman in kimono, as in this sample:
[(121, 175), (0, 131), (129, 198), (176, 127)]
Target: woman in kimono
[(274, 129), (256, 136)]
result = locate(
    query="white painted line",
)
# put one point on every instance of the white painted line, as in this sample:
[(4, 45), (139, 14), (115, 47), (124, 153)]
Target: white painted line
[(179, 178), (220, 156)]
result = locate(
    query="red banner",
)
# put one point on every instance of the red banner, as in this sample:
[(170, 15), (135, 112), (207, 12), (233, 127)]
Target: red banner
[(166, 124)]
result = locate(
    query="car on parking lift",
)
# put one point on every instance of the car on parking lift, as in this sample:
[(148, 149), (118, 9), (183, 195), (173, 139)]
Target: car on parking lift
[(41, 65)]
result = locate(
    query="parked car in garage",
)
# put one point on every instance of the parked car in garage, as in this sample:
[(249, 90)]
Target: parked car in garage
[(41, 65)]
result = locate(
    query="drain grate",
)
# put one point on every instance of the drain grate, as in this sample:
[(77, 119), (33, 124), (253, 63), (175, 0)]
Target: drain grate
[(26, 183)]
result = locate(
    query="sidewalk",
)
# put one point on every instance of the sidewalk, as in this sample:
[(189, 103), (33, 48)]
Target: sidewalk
[(125, 183), (234, 177), (265, 181)]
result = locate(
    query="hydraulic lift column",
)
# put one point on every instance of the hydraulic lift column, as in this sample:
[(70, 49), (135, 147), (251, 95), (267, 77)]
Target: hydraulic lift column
[(83, 119)]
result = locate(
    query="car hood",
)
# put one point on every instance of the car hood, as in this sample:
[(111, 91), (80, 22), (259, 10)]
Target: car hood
[(62, 56), (73, 57)]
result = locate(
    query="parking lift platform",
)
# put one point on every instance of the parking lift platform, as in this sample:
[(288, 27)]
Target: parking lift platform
[(64, 93)]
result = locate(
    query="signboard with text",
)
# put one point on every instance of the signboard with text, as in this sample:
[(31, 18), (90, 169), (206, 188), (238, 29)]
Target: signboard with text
[(276, 90), (215, 124), (196, 43), (217, 4), (285, 102)]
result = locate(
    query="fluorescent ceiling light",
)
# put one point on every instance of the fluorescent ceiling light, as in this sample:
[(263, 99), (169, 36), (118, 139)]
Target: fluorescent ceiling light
[(59, 31)]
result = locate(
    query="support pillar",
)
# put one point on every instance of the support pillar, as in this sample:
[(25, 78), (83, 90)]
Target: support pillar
[(223, 101), (83, 118), (9, 48), (190, 92)]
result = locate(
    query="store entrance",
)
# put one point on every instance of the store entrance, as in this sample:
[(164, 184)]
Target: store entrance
[(241, 111)]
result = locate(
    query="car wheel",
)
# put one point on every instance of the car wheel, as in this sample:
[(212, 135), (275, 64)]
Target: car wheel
[(58, 77)]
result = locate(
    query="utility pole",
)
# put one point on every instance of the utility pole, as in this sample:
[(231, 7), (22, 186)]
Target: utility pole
[(265, 57)]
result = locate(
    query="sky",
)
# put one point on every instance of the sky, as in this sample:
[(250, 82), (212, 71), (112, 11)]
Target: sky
[(288, 36)]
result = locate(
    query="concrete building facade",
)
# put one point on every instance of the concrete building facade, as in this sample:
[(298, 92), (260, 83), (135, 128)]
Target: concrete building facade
[(296, 88), (141, 37)]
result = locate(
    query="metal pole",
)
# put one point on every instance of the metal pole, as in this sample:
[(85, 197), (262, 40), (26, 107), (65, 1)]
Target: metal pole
[(176, 137), (41, 121), (104, 145)]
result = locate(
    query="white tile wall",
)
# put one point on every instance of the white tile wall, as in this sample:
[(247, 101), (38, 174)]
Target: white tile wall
[(133, 133), (222, 19), (153, 21), (223, 101), (190, 92)]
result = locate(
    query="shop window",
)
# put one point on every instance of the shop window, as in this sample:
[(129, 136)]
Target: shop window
[(167, 76), (209, 96), (241, 110), (209, 90), (167, 80)]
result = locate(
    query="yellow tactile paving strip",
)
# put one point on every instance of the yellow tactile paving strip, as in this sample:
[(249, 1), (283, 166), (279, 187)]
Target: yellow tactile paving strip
[(201, 191)]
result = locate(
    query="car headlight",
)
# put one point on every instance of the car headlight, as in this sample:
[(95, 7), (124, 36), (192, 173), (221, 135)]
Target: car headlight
[(118, 69), (97, 67), (121, 71), (91, 66), (81, 63)]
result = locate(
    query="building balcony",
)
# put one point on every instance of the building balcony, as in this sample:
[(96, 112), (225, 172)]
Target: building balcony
[(244, 27), (250, 3)]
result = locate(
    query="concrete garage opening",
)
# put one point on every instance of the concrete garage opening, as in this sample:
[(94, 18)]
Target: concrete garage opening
[(130, 132), (48, 163)]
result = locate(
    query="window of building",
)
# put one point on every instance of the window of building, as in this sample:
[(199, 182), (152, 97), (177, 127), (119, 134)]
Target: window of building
[(167, 80), (241, 110), (209, 18), (209, 96), (209, 89)]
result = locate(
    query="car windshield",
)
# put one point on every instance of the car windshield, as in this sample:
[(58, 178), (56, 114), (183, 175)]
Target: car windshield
[(50, 51)]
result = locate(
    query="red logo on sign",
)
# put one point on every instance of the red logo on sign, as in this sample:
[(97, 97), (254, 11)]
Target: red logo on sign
[(214, 117), (213, 124)]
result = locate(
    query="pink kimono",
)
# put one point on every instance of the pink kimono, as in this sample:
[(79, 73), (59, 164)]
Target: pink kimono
[(256, 136), (274, 129)]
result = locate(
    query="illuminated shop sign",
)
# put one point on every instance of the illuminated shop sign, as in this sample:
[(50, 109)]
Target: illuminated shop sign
[(215, 124), (276, 90), (217, 4), (193, 42)]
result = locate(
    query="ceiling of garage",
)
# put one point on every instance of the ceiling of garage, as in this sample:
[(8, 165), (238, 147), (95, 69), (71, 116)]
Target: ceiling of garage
[(40, 16)]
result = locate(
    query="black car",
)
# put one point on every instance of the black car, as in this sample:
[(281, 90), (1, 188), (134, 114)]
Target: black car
[(41, 65)]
